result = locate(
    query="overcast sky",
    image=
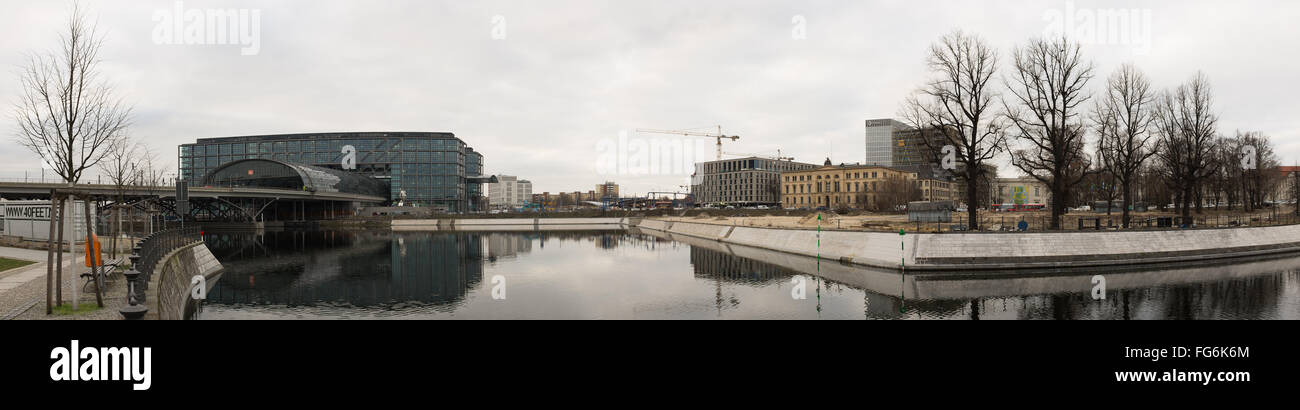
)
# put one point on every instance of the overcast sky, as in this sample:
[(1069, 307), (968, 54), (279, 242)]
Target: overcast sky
[(537, 85)]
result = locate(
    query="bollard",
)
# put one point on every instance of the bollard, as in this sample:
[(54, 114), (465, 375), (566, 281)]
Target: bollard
[(134, 310)]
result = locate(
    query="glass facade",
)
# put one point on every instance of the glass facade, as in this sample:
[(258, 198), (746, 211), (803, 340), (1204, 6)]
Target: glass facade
[(432, 169), (880, 141), (265, 173)]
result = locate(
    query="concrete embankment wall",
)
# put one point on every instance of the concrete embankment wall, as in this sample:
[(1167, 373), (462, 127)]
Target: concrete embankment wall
[(865, 248), (170, 293), (1002, 250), (499, 224)]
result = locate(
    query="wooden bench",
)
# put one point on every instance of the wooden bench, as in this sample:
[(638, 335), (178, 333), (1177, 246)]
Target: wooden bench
[(104, 270)]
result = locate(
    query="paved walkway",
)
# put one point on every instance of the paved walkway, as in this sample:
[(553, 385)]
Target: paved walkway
[(24, 287), (20, 276)]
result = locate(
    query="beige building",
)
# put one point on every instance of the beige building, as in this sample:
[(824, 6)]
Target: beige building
[(938, 190), (833, 186)]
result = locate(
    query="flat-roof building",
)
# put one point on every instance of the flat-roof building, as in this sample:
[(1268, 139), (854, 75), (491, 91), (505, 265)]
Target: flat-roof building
[(858, 186), (741, 181), (429, 169), (509, 192)]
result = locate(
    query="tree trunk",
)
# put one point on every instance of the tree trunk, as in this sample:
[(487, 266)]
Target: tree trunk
[(972, 203), (1058, 200), (58, 262), (49, 257), (1128, 197)]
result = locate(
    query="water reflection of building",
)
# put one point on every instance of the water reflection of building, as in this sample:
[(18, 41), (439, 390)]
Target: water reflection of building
[(506, 245), (711, 264), (351, 268)]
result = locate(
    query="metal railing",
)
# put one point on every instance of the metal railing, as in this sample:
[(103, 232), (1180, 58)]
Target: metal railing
[(144, 261)]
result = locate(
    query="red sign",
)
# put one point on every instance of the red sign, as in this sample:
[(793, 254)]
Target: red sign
[(250, 172)]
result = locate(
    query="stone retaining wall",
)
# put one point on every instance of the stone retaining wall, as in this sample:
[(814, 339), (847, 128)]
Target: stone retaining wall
[(963, 251), (169, 293)]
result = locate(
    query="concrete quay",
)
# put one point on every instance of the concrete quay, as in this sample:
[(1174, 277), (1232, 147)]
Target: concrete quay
[(1002, 251), (510, 224)]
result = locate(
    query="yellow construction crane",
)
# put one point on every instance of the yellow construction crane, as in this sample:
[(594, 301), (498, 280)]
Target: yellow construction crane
[(778, 156), (719, 136)]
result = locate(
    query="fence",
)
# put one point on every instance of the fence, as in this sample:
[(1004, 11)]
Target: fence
[(144, 260), (1041, 221)]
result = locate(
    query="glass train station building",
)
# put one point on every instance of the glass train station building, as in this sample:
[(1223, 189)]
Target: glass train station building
[(426, 169)]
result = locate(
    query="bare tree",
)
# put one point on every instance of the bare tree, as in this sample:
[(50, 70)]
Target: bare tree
[(896, 191), (958, 102), (66, 113), (1047, 89), (1225, 185), (1257, 183), (1122, 120), (1187, 129), (121, 163)]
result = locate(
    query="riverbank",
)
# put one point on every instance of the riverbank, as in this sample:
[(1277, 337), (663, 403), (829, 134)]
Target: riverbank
[(512, 224), (1001, 251)]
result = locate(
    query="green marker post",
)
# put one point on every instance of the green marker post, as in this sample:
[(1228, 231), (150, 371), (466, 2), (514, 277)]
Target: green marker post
[(819, 244), (902, 263)]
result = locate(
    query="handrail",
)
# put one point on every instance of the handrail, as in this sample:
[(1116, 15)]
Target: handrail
[(145, 258)]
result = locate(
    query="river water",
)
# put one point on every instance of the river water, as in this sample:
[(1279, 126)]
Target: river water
[(617, 274)]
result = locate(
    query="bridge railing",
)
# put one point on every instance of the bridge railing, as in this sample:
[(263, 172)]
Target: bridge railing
[(144, 262)]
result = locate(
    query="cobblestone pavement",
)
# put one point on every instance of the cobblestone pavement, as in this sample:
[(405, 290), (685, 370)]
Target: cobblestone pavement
[(22, 290)]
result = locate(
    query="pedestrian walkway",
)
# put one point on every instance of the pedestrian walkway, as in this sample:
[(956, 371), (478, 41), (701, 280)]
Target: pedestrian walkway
[(17, 290), (22, 275)]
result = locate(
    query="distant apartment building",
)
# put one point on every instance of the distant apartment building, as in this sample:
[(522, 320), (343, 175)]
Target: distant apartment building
[(606, 190), (845, 185), (1020, 191), (509, 192), (741, 181)]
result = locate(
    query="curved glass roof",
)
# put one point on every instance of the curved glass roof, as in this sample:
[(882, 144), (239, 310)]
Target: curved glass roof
[(272, 174)]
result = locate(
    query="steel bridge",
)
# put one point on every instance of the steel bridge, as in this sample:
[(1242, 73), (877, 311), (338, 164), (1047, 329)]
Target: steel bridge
[(206, 203)]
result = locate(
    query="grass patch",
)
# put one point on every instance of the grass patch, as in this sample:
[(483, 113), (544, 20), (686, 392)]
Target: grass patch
[(64, 310), (7, 264)]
